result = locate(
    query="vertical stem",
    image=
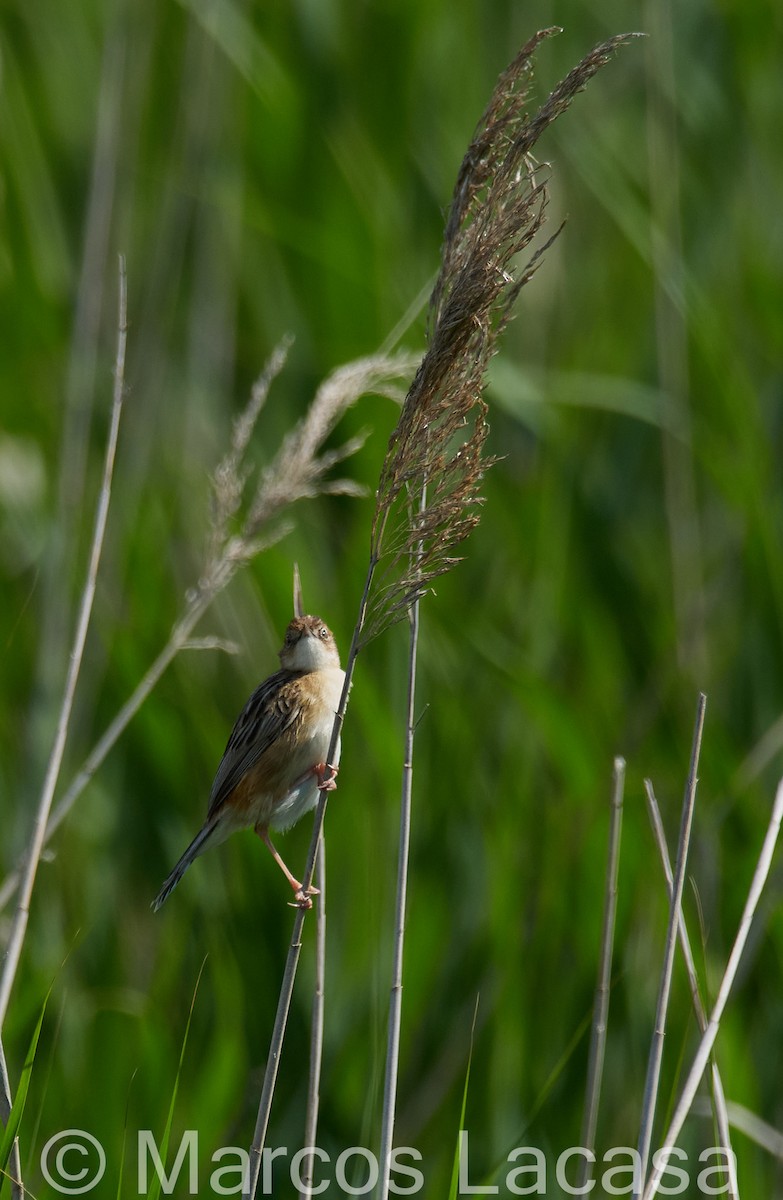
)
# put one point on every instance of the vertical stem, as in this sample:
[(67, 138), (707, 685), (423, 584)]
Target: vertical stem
[(702, 1056), (664, 988), (395, 1004), (317, 1025), (294, 950), (19, 926), (601, 1002), (718, 1097), (15, 1161)]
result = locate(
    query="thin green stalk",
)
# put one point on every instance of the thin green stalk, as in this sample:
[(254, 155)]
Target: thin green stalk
[(15, 1160), (154, 1191), (9, 1144), (454, 1188)]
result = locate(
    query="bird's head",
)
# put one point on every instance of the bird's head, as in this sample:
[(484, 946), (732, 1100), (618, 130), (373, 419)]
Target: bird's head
[(309, 646)]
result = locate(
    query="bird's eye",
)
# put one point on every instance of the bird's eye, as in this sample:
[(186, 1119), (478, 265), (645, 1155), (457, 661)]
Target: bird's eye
[(323, 632)]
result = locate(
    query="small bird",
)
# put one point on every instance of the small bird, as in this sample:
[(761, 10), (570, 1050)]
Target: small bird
[(274, 763)]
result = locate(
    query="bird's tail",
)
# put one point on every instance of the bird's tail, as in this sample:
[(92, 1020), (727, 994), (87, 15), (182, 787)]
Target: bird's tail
[(196, 847)]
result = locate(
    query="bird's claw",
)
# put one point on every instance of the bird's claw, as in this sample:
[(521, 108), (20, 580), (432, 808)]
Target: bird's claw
[(326, 785), (302, 898)]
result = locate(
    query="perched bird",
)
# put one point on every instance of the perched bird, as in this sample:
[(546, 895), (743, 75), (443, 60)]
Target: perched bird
[(275, 761)]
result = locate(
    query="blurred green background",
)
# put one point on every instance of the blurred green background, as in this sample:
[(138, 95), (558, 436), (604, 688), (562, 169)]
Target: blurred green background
[(286, 167)]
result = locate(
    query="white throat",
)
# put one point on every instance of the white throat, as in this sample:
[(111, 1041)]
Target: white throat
[(310, 654)]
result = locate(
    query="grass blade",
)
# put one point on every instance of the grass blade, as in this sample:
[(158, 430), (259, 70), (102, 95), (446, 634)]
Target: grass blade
[(17, 1109), (154, 1192), (121, 1167), (455, 1181)]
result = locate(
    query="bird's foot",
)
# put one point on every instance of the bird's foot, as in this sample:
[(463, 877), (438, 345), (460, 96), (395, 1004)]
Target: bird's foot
[(303, 898), (326, 784)]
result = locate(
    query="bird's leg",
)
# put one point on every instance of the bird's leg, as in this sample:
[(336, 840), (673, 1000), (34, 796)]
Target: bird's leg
[(319, 770), (301, 896), (325, 783)]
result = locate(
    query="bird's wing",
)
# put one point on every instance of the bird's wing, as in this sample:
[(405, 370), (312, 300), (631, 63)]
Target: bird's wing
[(270, 711)]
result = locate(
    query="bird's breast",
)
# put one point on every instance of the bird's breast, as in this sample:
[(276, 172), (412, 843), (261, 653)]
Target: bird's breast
[(281, 786), (311, 732)]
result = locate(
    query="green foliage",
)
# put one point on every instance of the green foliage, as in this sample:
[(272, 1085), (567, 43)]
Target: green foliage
[(17, 1109), (283, 168), (154, 1191), (455, 1170)]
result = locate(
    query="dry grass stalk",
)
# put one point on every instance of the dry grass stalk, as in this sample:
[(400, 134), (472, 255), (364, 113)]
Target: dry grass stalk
[(704, 1050), (316, 1028), (38, 838), (319, 987), (29, 870), (719, 1106), (391, 1070), (497, 210), (436, 450), (664, 987), (299, 470), (595, 1064), (244, 524)]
